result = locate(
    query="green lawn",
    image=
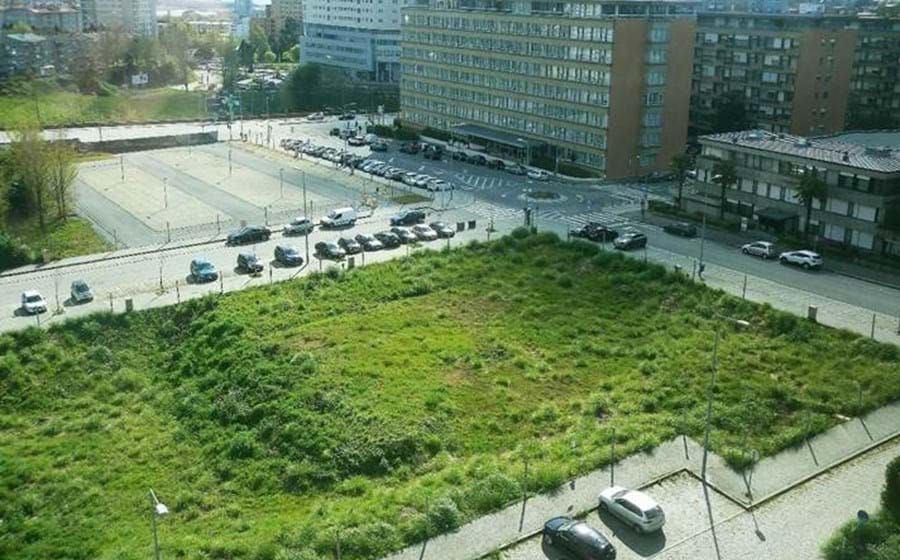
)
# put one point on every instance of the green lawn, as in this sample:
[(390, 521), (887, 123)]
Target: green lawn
[(71, 237), (396, 401), (58, 108)]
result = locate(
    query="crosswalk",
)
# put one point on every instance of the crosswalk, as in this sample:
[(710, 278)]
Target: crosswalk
[(487, 211), (479, 183)]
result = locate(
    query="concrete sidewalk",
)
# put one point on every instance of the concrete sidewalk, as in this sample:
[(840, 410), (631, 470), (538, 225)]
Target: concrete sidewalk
[(771, 477)]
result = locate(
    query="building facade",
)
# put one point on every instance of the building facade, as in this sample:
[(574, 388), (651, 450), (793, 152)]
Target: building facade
[(797, 74), (604, 85), (283, 10), (363, 39), (862, 206), (38, 55), (137, 17), (52, 17)]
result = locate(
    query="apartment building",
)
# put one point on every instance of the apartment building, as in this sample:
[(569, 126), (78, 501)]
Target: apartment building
[(362, 38), (862, 206), (798, 74), (137, 17), (282, 10), (38, 55), (604, 85), (52, 17)]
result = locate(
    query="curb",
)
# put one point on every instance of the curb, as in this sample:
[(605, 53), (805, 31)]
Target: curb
[(868, 280)]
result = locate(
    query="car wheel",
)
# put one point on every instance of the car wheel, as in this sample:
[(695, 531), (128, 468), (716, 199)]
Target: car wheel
[(745, 251), (603, 506), (548, 539), (805, 266), (783, 260), (637, 528)]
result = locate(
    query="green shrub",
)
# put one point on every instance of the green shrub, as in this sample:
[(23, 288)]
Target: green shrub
[(890, 496), (492, 492), (444, 516)]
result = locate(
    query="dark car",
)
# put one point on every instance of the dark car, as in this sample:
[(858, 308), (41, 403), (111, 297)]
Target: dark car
[(288, 255), (329, 250), (248, 262), (203, 271), (335, 131), (249, 234), (81, 292), (378, 146), (578, 539), (594, 231), (433, 152), (349, 245), (369, 242), (347, 117), (410, 148), (630, 240), (477, 159), (457, 155), (683, 229), (443, 230), (408, 218), (388, 239), (405, 235), (496, 164)]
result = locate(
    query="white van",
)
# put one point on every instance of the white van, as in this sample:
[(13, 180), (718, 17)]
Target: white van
[(339, 217)]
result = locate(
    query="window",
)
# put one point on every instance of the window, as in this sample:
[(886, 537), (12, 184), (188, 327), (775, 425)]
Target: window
[(770, 77), (653, 98), (656, 78), (656, 56), (659, 34)]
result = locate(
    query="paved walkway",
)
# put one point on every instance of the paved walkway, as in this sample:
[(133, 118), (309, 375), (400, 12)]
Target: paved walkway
[(771, 477)]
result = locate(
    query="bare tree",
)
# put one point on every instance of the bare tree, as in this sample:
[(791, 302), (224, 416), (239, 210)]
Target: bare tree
[(28, 157), (62, 172)]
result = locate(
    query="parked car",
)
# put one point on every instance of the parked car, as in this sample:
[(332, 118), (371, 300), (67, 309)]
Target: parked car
[(477, 159), (424, 233), (369, 242), (538, 175), (379, 146), (249, 234), (442, 230), (80, 292), (203, 271), (594, 231), (315, 117), (356, 141), (249, 262), (683, 229), (388, 239), (346, 133), (433, 152), (347, 117), (407, 218), (288, 255), (301, 225), (409, 178), (496, 164), (761, 249), (33, 302), (339, 217), (577, 539), (329, 250), (349, 245), (516, 170), (404, 234), (410, 148), (805, 259), (630, 240), (335, 131), (638, 510), (438, 185)]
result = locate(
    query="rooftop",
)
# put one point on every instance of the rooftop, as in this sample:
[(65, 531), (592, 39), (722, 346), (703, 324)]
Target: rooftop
[(880, 158)]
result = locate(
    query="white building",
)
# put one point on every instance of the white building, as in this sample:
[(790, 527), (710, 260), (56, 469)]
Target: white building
[(361, 38), (137, 17)]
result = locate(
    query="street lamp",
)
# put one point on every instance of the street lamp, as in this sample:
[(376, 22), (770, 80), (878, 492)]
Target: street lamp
[(159, 510)]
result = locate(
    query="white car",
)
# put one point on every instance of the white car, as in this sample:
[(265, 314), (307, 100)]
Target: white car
[(638, 510), (422, 180), (761, 249), (316, 117), (538, 175), (424, 233), (300, 225), (33, 302), (805, 259), (438, 185)]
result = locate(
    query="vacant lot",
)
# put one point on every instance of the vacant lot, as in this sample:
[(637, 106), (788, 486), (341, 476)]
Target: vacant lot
[(381, 406)]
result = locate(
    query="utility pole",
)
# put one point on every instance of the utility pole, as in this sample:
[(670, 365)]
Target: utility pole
[(122, 166), (281, 181), (165, 192), (709, 406)]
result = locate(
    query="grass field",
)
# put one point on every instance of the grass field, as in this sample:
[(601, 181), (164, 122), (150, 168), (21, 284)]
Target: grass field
[(383, 405), (64, 238), (58, 108)]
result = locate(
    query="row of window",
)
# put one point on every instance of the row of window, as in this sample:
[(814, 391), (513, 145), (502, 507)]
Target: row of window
[(482, 24), (518, 122), (506, 102), (521, 48), (751, 41)]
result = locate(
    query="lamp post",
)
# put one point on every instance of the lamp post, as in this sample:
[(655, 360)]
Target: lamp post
[(159, 510)]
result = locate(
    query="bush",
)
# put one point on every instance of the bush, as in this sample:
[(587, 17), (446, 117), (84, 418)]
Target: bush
[(444, 516), (890, 496), (437, 134), (12, 254)]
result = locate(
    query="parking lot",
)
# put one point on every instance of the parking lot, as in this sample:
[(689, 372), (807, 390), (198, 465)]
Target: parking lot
[(680, 496)]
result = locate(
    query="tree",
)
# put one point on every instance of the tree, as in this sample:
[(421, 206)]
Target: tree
[(6, 181), (724, 175), (811, 187), (258, 40), (731, 113), (890, 496), (20, 27), (87, 67), (245, 55), (288, 37), (270, 57), (302, 89), (295, 53), (28, 153), (62, 172), (681, 164)]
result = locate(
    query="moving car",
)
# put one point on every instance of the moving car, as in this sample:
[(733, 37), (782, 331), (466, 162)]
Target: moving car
[(368, 242), (477, 159), (249, 234), (288, 255), (388, 239), (578, 539), (630, 240), (538, 175), (339, 217), (347, 117), (300, 225), (410, 148), (316, 117), (249, 262), (356, 141), (443, 230), (424, 233), (496, 164), (203, 271), (349, 245), (80, 292), (761, 249), (33, 302), (404, 234), (594, 231), (433, 152), (805, 259), (683, 229), (638, 510), (329, 250)]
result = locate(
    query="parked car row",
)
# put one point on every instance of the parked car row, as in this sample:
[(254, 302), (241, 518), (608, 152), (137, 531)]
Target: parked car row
[(410, 178), (33, 303), (804, 258)]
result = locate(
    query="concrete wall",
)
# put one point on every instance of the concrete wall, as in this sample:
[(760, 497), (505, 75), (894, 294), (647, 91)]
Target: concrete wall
[(810, 87), (626, 98)]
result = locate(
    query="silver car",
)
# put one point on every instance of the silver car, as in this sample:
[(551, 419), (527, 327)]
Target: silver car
[(762, 249), (804, 259), (638, 510), (424, 233)]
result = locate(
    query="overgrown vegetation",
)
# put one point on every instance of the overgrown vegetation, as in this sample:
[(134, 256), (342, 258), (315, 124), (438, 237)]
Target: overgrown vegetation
[(380, 406), (879, 539)]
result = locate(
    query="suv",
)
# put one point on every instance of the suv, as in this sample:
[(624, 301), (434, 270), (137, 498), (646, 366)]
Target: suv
[(630, 240), (805, 259), (407, 218), (248, 262), (249, 234), (762, 249), (288, 255), (300, 225), (203, 271), (329, 250), (683, 229), (594, 231)]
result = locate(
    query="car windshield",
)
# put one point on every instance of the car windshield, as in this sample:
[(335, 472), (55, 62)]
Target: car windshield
[(33, 298), (654, 513), (203, 265), (79, 286)]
